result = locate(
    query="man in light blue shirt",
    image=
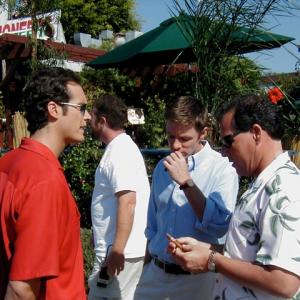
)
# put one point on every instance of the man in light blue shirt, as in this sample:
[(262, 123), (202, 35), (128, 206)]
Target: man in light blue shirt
[(193, 193)]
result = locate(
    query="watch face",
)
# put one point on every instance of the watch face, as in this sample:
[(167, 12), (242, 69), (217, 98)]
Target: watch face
[(190, 183), (211, 267)]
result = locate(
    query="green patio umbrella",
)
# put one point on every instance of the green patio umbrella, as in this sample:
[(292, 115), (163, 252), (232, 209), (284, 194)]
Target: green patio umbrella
[(167, 44)]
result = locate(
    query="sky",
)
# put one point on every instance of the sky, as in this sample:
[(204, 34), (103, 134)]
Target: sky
[(280, 60)]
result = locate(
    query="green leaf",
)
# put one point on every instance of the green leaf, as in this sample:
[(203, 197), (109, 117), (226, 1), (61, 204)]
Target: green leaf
[(247, 224), (297, 259), (284, 224), (269, 189), (264, 258), (289, 217), (274, 221)]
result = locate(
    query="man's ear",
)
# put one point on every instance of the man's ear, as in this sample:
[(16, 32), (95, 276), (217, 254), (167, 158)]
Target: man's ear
[(101, 123), (203, 134), (102, 120), (53, 109), (256, 131)]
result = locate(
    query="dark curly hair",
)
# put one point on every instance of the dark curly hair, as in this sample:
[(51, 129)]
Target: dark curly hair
[(254, 109), (46, 84)]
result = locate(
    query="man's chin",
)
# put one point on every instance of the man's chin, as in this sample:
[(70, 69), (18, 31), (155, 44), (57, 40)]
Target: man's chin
[(95, 135)]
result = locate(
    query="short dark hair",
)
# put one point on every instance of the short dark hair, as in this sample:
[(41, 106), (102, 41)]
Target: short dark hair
[(46, 84), (187, 110), (254, 109), (113, 109)]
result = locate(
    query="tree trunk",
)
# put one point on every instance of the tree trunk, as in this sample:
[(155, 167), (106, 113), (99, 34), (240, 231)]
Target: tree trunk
[(34, 32), (295, 146)]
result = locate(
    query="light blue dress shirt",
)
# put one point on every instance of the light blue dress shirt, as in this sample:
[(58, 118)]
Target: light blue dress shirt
[(170, 212)]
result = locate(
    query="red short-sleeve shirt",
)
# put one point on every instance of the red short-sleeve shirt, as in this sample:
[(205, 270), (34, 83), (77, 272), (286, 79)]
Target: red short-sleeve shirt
[(40, 224)]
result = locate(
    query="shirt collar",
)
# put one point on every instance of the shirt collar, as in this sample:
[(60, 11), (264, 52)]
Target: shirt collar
[(116, 138), (200, 156), (269, 171), (39, 148)]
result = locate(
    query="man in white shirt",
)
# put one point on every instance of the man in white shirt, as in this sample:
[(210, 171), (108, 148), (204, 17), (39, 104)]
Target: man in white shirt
[(119, 205)]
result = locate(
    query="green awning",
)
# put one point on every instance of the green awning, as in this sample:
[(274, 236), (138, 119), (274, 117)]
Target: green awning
[(167, 43)]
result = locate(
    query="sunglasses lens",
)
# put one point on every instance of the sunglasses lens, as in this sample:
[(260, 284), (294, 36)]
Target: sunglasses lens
[(83, 108), (227, 140)]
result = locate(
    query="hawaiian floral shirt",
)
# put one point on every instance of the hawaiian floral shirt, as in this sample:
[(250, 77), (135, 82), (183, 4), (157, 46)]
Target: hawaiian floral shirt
[(265, 228)]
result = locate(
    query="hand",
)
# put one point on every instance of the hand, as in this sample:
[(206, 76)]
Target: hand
[(192, 256), (177, 166), (173, 243), (115, 263)]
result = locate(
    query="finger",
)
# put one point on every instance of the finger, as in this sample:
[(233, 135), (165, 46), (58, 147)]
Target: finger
[(179, 155), (166, 163), (178, 257), (110, 272), (168, 160), (111, 269), (186, 248), (120, 269), (174, 155), (184, 240), (176, 243), (171, 247), (178, 253)]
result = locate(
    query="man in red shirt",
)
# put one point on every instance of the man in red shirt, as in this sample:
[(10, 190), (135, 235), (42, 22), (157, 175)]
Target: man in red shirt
[(40, 247)]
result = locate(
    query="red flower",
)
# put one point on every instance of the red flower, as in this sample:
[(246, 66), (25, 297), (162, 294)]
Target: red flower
[(275, 95)]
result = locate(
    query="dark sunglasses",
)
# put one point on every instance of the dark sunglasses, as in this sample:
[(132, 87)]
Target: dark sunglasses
[(228, 140)]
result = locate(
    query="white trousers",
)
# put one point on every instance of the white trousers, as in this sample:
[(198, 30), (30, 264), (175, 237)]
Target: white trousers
[(121, 287), (155, 284)]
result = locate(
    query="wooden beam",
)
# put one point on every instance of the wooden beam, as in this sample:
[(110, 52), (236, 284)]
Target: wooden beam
[(13, 54)]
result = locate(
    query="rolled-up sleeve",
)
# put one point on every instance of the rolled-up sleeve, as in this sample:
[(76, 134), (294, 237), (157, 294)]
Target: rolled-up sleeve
[(151, 227), (220, 204)]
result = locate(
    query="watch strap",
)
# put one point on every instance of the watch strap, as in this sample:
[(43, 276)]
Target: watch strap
[(188, 183), (211, 263)]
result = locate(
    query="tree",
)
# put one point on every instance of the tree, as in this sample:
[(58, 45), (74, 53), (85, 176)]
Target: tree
[(89, 16), (214, 21), (93, 16), (31, 8)]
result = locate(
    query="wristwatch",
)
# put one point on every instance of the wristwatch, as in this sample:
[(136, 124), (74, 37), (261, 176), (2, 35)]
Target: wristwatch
[(188, 183), (211, 264)]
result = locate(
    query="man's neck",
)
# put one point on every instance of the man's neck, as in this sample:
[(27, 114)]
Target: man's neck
[(271, 151), (45, 137), (111, 134)]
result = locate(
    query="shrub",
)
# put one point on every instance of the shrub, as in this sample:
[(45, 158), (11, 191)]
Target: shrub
[(88, 252), (80, 163)]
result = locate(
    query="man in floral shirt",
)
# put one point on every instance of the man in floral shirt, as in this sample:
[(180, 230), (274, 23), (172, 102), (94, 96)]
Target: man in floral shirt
[(261, 257)]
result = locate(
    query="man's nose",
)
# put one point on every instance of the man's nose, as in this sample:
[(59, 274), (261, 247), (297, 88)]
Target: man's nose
[(87, 116), (176, 145)]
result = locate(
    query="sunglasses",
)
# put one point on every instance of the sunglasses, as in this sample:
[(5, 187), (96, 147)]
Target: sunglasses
[(228, 140), (80, 107)]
